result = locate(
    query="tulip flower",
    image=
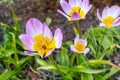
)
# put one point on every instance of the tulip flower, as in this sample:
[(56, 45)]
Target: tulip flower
[(75, 9), (79, 46), (39, 38), (110, 16)]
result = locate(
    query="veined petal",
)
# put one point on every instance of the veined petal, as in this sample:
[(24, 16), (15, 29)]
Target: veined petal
[(86, 2), (59, 11), (34, 27), (47, 32), (116, 22), (83, 41), (27, 41), (86, 50), (76, 39), (98, 15), (77, 2), (89, 7), (116, 10), (75, 16), (103, 25), (72, 3), (105, 12), (65, 6), (72, 48), (58, 36), (30, 53), (49, 53)]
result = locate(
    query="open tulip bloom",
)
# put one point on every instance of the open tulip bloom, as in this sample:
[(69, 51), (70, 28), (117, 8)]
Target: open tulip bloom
[(39, 38), (79, 46), (109, 16), (75, 9)]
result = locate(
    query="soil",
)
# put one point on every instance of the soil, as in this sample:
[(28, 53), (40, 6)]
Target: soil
[(42, 9)]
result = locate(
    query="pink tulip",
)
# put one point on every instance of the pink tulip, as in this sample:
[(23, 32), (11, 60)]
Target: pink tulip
[(39, 38)]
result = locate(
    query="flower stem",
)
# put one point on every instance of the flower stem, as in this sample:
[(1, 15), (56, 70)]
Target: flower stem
[(102, 39), (78, 27), (54, 63)]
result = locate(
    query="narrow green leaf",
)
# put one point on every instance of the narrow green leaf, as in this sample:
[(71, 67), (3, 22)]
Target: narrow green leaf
[(63, 57), (98, 62), (76, 31), (41, 62), (99, 77), (85, 76), (8, 74), (86, 70), (72, 58), (25, 60), (112, 72)]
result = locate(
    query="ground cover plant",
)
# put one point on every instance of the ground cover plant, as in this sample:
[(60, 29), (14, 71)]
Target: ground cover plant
[(85, 58)]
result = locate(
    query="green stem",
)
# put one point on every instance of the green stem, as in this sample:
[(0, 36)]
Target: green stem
[(78, 27), (77, 57), (102, 40), (12, 11), (15, 51), (85, 60), (54, 63)]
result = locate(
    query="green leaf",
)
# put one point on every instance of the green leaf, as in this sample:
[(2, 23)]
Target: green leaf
[(41, 62), (25, 60), (86, 76), (48, 67), (86, 70), (63, 57), (98, 62), (106, 42), (8, 74), (48, 21), (63, 69), (76, 31), (72, 59), (99, 77), (68, 43), (112, 72)]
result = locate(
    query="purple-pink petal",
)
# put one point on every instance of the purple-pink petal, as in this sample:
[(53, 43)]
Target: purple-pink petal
[(65, 6), (27, 41), (86, 50), (105, 12), (47, 32), (58, 36), (72, 48), (83, 41), (47, 54), (116, 22), (33, 27), (116, 11), (98, 15), (72, 3), (59, 11), (76, 39), (75, 16), (30, 53)]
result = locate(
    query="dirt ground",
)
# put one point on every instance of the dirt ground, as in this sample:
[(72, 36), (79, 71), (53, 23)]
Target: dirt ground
[(41, 9)]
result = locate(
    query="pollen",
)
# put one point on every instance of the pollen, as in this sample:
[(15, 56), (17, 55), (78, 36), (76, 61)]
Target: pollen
[(43, 44), (75, 9), (80, 47), (108, 21), (82, 14)]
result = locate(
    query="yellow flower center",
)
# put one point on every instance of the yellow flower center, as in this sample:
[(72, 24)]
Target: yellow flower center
[(43, 44), (80, 47), (75, 9), (82, 14), (108, 21)]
